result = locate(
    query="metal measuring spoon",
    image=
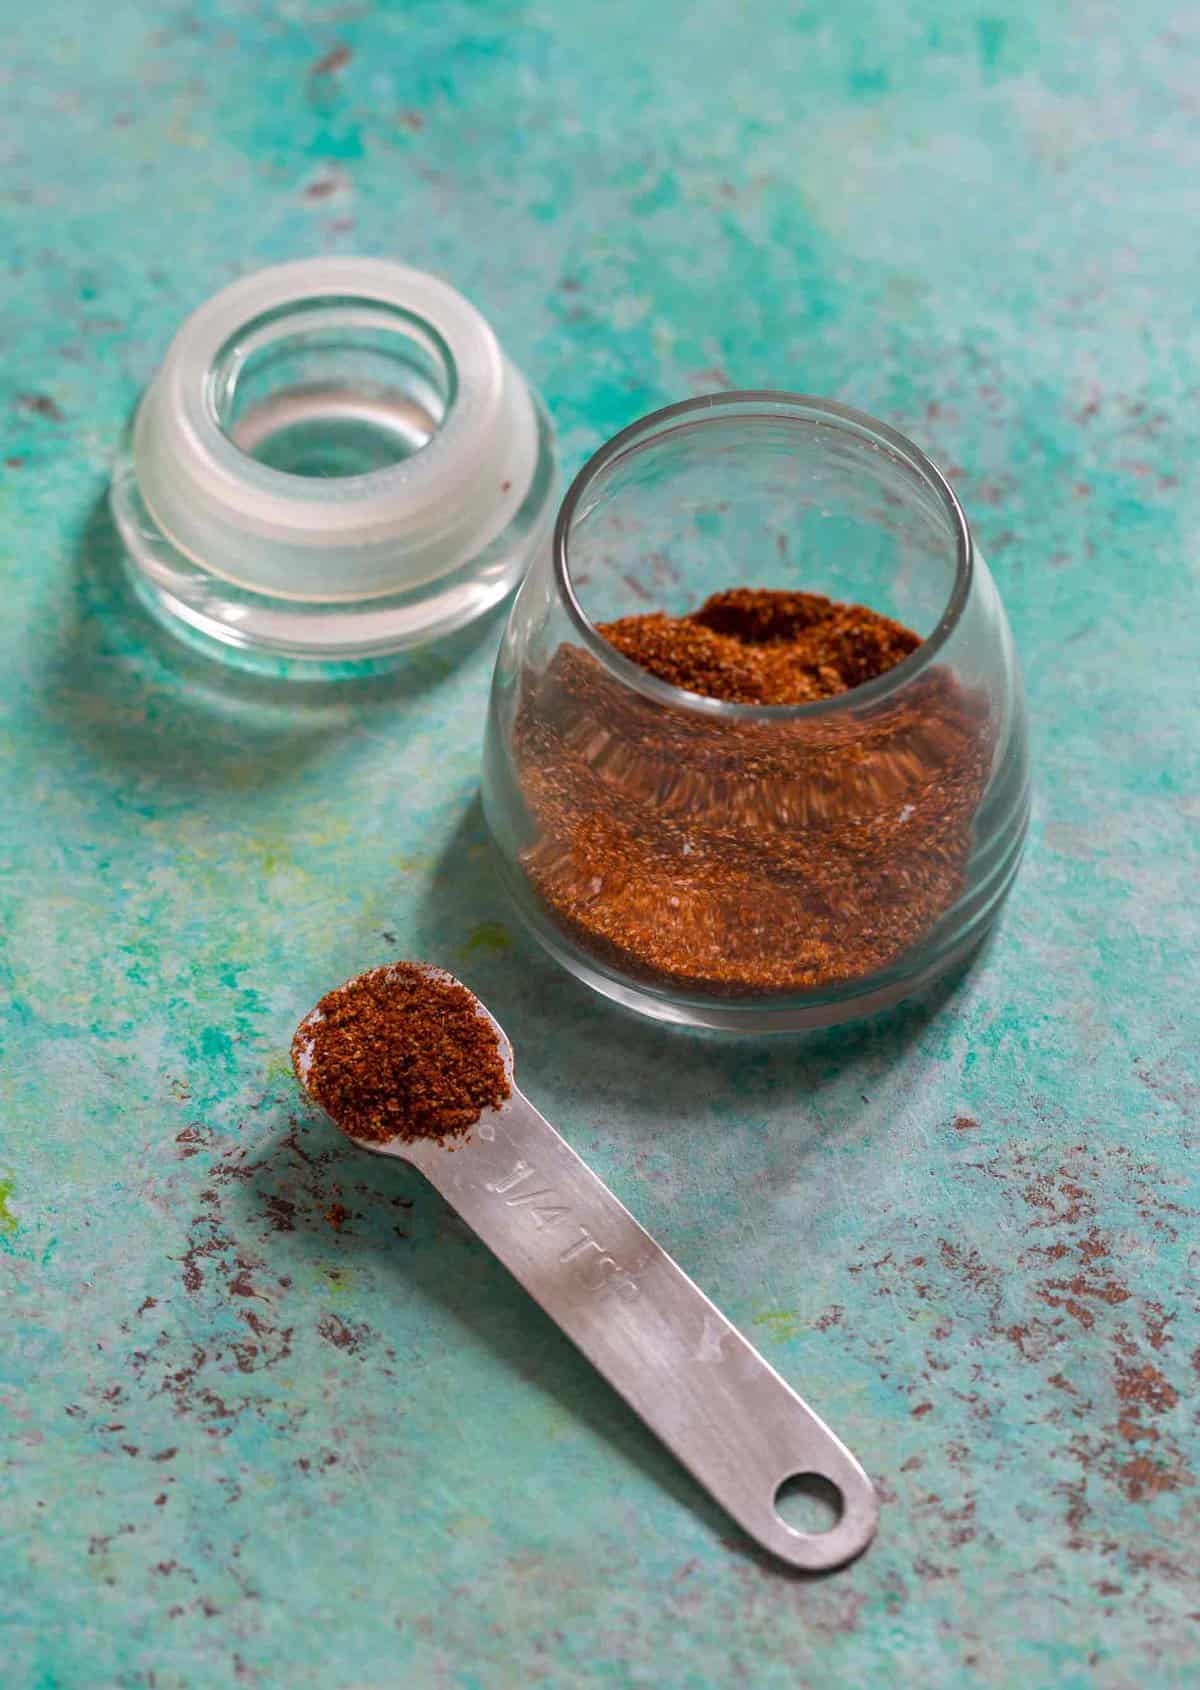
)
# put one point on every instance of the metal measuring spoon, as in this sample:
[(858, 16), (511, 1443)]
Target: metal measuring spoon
[(691, 1376)]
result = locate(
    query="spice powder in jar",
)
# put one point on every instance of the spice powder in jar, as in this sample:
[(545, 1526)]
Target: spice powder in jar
[(749, 856)]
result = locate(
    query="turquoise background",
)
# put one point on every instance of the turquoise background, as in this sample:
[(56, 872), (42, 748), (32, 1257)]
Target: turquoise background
[(243, 1446)]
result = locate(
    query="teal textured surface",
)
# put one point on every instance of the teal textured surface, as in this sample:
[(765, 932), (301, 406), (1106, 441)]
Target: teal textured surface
[(270, 1415)]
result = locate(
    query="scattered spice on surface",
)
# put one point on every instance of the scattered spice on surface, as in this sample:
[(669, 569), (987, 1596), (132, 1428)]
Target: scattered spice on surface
[(400, 1053), (743, 856), (337, 1214)]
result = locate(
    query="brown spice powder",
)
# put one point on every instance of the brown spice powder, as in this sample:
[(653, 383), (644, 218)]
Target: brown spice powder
[(754, 647), (399, 1053), (749, 857)]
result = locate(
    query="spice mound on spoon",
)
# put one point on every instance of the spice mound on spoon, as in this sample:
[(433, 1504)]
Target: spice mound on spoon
[(409, 1063), (400, 1052)]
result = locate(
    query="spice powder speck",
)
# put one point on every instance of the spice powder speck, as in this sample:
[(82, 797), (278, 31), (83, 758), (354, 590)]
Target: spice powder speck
[(400, 1053)]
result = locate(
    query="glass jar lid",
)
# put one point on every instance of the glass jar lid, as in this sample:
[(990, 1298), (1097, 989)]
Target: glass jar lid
[(334, 462)]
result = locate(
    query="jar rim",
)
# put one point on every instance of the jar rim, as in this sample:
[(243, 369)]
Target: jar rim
[(766, 401), (293, 316)]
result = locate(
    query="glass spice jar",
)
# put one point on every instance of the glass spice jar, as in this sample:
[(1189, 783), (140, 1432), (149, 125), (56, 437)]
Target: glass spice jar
[(744, 866), (335, 462)]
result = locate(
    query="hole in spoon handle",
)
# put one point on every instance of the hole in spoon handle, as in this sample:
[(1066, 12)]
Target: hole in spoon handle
[(692, 1377)]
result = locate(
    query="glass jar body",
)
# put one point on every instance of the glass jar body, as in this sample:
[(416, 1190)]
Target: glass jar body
[(739, 866)]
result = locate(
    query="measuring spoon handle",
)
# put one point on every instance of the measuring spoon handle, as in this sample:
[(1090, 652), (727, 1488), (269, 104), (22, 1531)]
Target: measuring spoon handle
[(726, 1414)]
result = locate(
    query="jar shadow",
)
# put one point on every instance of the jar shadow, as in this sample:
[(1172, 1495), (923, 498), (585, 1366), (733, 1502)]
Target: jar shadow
[(439, 1261), (180, 720)]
